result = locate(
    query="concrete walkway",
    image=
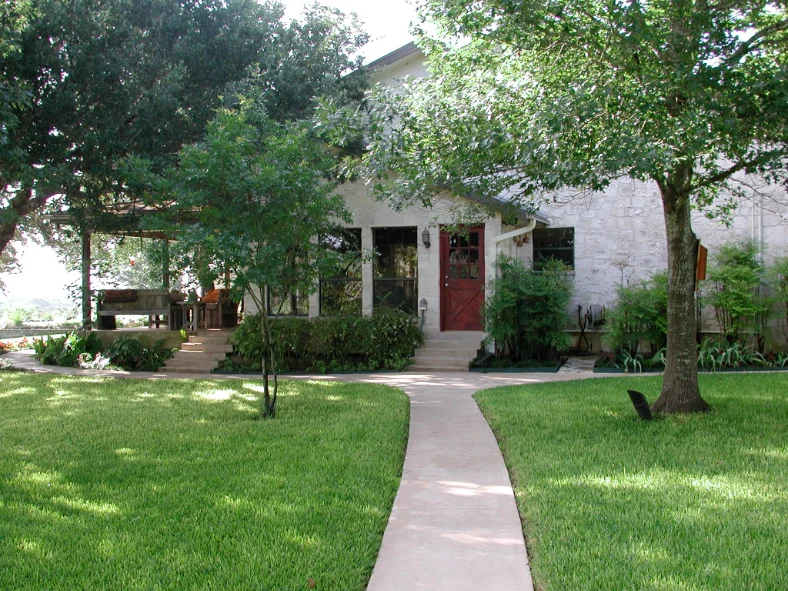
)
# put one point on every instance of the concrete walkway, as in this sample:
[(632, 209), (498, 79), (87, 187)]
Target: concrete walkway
[(454, 525)]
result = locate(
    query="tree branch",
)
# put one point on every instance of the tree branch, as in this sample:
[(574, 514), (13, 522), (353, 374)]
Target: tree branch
[(722, 175), (751, 43)]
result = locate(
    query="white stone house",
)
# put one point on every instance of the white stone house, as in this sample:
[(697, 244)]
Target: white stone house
[(607, 237)]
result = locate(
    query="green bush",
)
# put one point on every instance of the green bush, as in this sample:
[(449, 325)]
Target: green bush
[(386, 340), (779, 277), (137, 355), (526, 314), (77, 350), (66, 350), (639, 314), (18, 316), (733, 289)]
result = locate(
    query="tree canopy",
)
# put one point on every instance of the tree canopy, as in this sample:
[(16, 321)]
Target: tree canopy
[(534, 96), (255, 194), (101, 84)]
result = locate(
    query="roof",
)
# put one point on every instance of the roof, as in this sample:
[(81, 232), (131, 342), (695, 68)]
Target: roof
[(394, 56), (508, 209)]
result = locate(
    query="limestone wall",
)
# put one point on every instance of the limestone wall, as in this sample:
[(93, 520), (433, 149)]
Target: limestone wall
[(620, 236)]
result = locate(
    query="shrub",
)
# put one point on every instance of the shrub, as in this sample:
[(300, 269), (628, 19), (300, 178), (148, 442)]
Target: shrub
[(78, 350), (639, 314), (18, 316), (66, 350), (733, 289), (526, 313), (137, 355), (779, 276), (713, 355), (385, 340)]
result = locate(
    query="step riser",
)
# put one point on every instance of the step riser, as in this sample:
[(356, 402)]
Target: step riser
[(435, 358), (451, 346), (449, 353), (189, 348), (203, 349), (444, 366), (461, 337), (203, 362)]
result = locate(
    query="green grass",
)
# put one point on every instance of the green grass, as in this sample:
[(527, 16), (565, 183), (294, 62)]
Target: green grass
[(131, 484), (609, 502)]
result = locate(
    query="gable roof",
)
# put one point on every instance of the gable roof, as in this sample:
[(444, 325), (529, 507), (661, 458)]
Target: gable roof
[(394, 56)]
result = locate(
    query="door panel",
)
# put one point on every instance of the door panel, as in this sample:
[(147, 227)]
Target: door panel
[(462, 279)]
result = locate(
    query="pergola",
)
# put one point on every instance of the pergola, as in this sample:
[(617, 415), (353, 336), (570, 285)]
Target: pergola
[(120, 220)]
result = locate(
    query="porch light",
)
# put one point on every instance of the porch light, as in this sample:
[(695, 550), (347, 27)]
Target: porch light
[(425, 238)]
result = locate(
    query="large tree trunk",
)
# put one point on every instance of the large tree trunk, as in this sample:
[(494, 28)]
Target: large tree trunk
[(22, 204), (680, 391)]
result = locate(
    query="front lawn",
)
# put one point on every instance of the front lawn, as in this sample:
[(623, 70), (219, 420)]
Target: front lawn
[(609, 502), (132, 484)]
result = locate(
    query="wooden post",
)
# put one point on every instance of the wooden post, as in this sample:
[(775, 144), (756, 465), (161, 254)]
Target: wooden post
[(87, 321), (165, 277)]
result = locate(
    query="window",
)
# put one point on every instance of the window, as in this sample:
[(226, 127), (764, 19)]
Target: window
[(340, 294), (290, 304), (395, 268), (555, 243), (464, 256)]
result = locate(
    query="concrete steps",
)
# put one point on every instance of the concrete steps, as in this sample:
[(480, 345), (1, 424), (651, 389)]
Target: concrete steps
[(447, 351), (201, 354)]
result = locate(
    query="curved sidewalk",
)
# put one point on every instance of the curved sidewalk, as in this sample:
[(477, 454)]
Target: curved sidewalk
[(454, 525)]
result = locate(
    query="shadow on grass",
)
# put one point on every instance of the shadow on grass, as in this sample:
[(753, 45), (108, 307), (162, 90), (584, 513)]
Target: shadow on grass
[(611, 502), (170, 484)]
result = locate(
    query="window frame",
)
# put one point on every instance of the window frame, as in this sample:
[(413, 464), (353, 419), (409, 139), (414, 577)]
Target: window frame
[(379, 279), (538, 258), (344, 279)]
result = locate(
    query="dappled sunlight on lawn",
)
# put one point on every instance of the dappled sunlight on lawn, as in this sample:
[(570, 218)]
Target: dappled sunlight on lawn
[(708, 489), (84, 505), (690, 502), (22, 390), (136, 483)]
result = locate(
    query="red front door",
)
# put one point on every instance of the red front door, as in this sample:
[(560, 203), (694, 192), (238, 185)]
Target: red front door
[(462, 279)]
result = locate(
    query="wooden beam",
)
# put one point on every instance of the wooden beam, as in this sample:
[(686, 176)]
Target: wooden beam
[(165, 276)]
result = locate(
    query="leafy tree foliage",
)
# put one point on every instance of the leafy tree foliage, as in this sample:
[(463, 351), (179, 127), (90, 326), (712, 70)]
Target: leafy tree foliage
[(316, 56), (106, 79), (533, 96), (255, 193)]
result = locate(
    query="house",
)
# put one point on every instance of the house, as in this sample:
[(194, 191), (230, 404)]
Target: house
[(607, 238)]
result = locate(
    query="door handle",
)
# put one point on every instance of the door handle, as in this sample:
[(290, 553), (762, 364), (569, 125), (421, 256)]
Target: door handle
[(445, 285)]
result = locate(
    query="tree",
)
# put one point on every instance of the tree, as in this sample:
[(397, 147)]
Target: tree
[(104, 80), (254, 194), (537, 96), (317, 56)]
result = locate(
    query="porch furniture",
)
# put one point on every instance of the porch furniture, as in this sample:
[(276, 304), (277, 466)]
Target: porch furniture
[(219, 310), (137, 302)]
